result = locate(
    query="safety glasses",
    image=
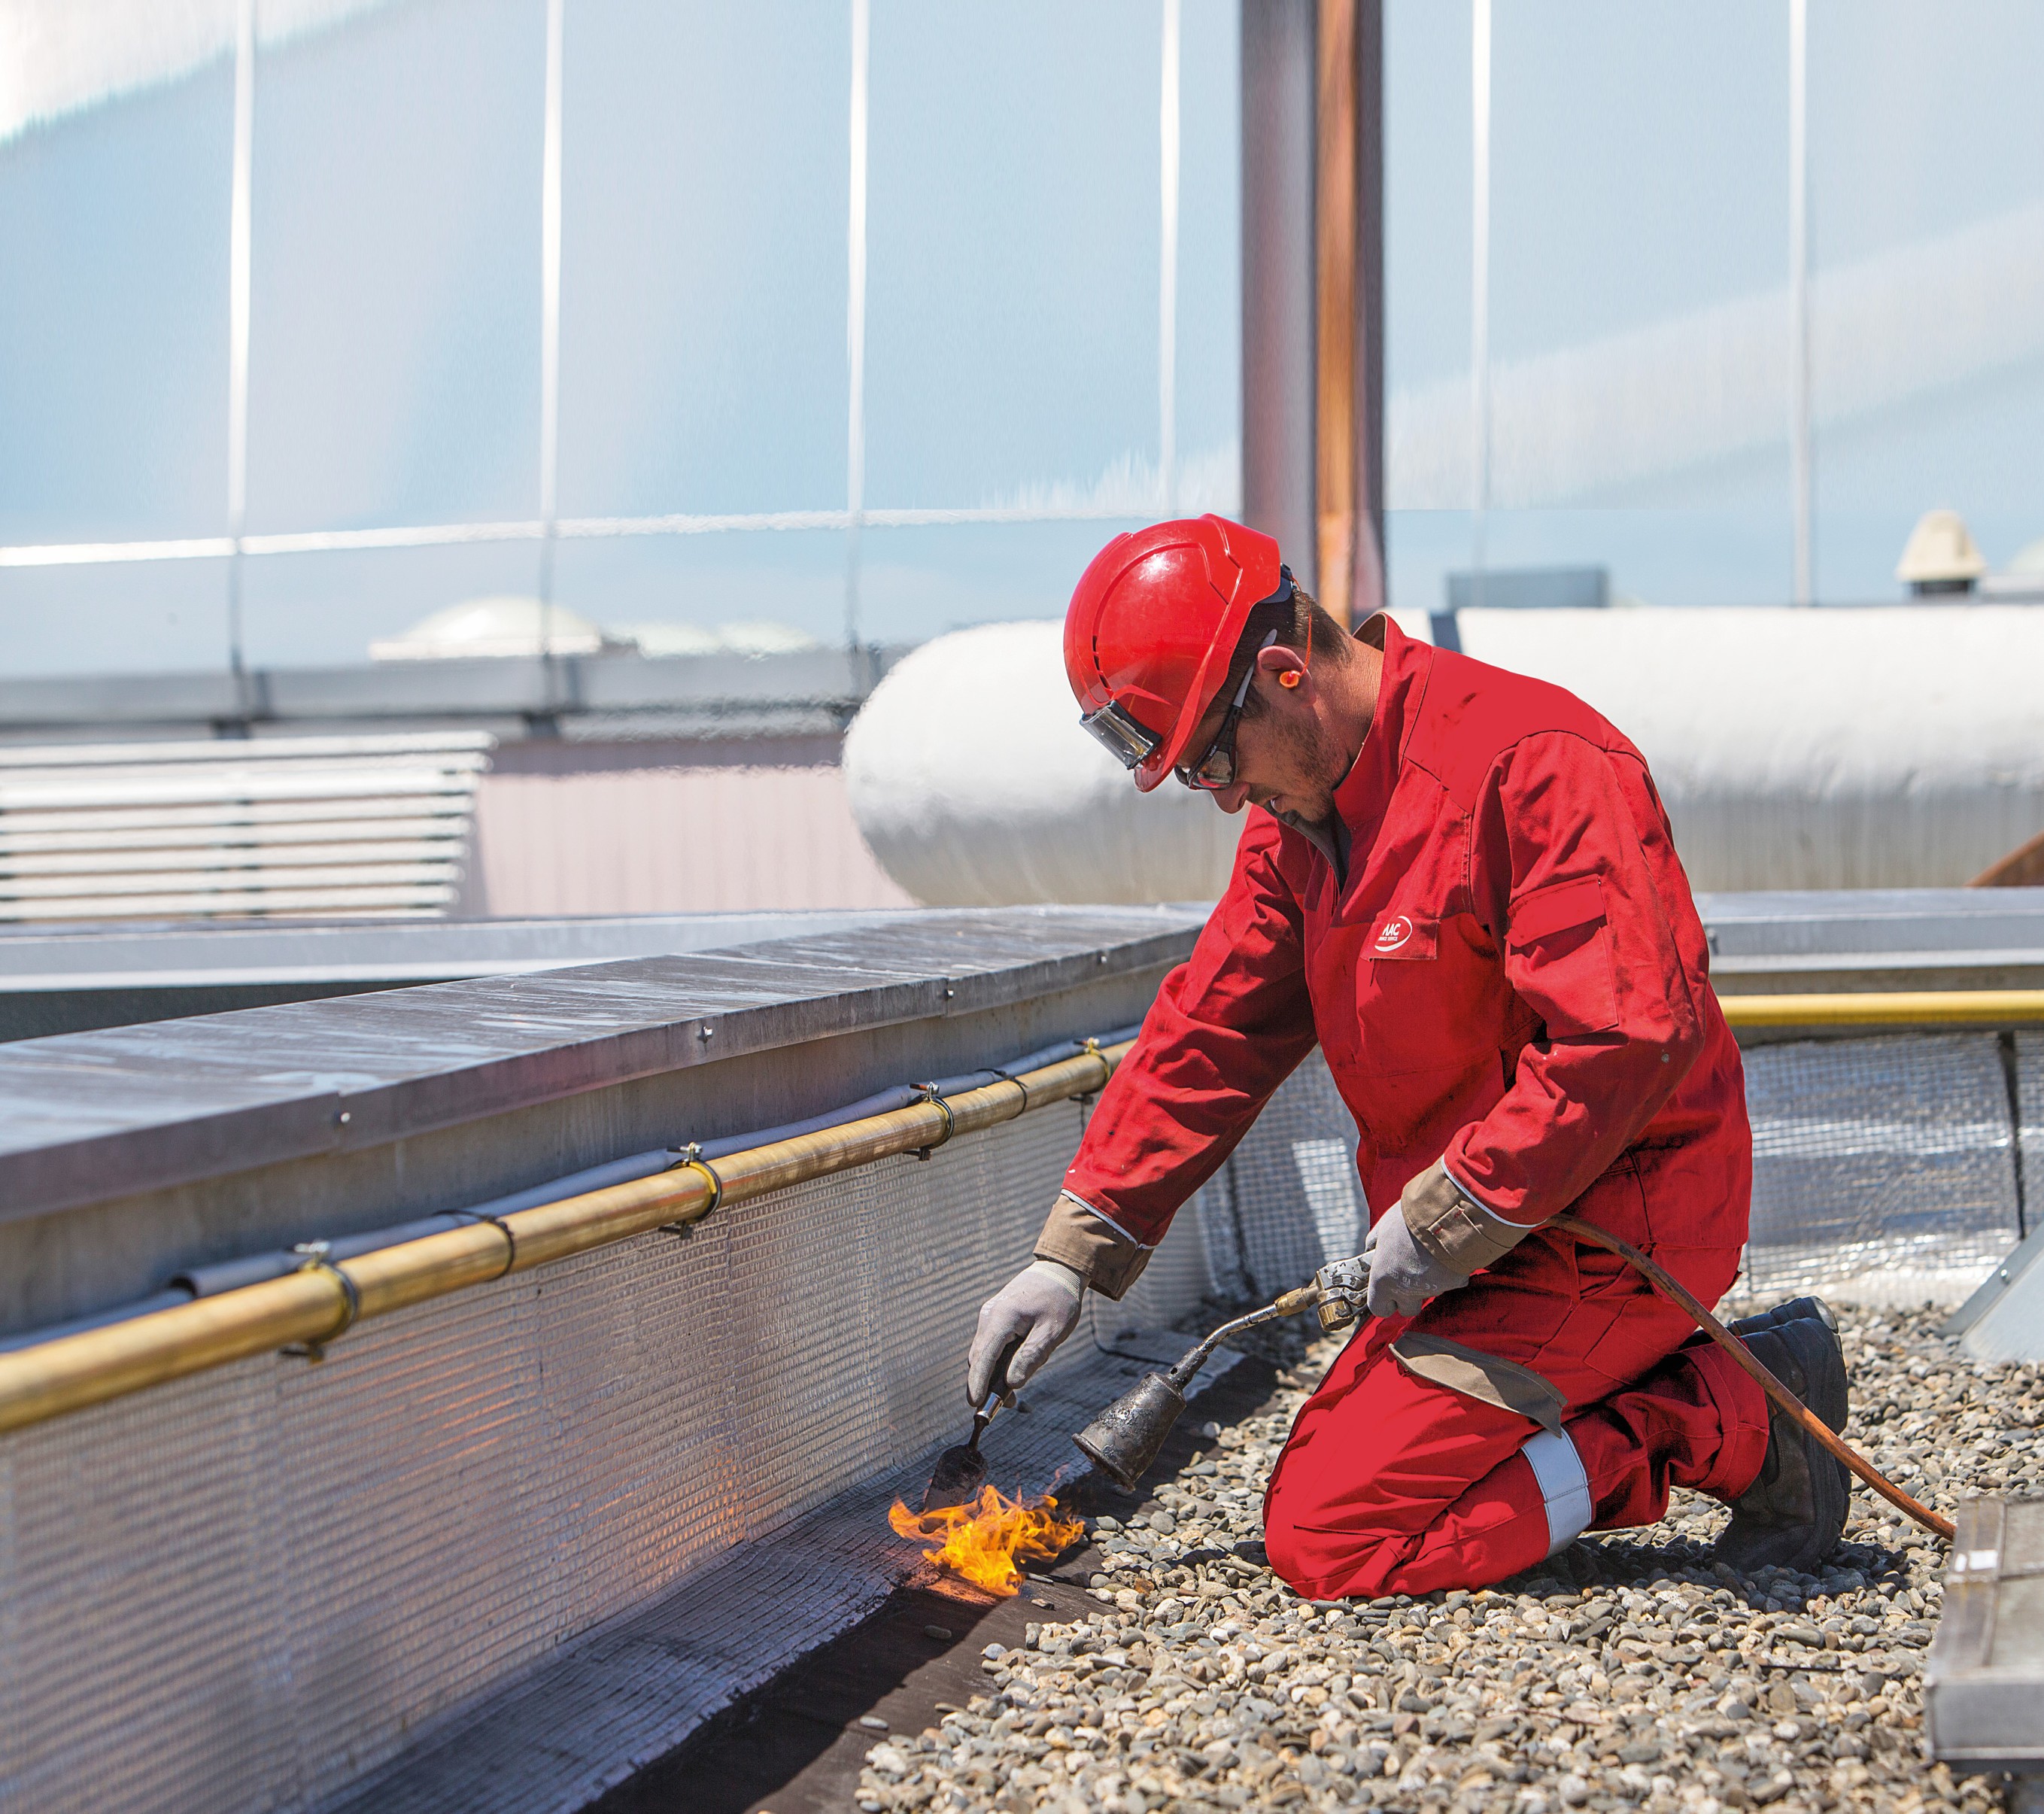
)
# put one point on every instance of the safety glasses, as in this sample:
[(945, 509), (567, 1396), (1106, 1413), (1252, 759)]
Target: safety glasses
[(1215, 770)]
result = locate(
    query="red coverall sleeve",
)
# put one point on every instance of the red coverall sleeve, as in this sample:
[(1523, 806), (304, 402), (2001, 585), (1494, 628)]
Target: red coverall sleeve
[(1229, 1025), (1558, 868)]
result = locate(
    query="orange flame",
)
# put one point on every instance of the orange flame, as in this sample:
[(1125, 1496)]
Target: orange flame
[(982, 1542)]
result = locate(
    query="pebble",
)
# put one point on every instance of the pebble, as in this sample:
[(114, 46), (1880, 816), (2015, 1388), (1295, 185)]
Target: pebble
[(1628, 1673)]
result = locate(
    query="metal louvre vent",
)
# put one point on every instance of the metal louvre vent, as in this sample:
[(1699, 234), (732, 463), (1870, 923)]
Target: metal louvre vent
[(329, 825)]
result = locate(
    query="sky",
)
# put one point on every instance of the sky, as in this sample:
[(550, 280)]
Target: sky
[(1011, 317)]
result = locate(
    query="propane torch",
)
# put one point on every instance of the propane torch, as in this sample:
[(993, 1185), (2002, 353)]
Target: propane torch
[(1124, 1440)]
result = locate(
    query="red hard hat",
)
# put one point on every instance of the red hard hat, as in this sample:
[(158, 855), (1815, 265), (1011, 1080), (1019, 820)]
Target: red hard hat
[(1151, 630)]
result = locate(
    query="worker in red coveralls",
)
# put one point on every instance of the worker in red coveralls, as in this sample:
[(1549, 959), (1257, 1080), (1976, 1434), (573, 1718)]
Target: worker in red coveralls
[(1461, 884)]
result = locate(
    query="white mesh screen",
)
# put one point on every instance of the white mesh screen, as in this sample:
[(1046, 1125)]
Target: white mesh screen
[(246, 1589), (1885, 1165), (1881, 1167), (1288, 1195), (2030, 1089)]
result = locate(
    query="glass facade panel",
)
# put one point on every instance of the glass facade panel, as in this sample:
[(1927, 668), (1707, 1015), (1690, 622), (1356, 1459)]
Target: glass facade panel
[(1639, 328), (1011, 319), (394, 355), (1926, 176), (113, 356), (1639, 322), (705, 169)]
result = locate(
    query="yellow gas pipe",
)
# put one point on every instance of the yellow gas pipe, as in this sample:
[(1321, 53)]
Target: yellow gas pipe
[(316, 1304), (1905, 1007)]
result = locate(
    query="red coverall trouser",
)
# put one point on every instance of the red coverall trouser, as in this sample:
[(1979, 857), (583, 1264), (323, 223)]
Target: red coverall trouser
[(1392, 1484)]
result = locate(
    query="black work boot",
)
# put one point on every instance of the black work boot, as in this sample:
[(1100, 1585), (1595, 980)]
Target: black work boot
[(1792, 1514)]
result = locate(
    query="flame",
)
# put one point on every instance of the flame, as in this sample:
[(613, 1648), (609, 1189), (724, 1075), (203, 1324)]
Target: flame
[(984, 1541)]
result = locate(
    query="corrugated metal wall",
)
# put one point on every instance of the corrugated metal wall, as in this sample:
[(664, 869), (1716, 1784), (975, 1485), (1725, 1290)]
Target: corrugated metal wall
[(672, 827)]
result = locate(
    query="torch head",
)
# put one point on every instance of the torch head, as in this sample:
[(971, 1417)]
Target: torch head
[(1124, 1440)]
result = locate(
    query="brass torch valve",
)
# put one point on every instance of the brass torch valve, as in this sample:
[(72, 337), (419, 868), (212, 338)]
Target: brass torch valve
[(1343, 1285)]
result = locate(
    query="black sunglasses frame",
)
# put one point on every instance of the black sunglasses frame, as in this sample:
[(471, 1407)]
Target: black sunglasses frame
[(1215, 770)]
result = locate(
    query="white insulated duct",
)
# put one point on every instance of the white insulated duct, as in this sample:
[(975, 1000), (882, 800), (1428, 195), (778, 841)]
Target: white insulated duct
[(974, 786), (1892, 746)]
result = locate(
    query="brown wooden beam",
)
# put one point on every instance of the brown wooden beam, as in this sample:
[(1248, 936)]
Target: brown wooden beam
[(2023, 867)]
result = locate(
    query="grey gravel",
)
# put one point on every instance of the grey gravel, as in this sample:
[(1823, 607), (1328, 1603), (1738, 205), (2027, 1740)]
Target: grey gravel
[(1628, 1671)]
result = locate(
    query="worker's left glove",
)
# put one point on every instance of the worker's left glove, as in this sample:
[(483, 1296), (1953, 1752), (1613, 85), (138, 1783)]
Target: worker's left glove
[(1431, 1241), (1039, 1307)]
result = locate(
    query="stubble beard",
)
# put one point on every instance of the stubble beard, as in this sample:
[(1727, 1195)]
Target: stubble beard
[(1313, 760)]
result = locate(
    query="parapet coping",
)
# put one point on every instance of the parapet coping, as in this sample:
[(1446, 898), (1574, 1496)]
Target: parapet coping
[(85, 1117)]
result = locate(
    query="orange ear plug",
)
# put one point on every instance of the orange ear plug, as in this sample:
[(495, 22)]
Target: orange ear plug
[(1292, 676)]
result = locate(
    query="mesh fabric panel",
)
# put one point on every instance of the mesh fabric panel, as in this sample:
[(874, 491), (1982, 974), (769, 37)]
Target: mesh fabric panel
[(634, 1690), (1886, 1162), (2030, 1092), (247, 1589)]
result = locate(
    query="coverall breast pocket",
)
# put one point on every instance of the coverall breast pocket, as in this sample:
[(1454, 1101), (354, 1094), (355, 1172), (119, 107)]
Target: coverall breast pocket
[(1557, 956)]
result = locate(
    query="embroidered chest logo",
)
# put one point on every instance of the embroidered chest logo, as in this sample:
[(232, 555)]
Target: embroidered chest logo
[(1393, 932)]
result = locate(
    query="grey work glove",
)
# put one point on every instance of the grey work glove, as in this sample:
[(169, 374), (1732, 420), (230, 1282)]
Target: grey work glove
[(1041, 1305), (1403, 1275)]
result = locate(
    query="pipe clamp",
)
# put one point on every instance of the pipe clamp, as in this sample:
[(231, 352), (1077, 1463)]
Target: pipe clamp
[(692, 1160), (510, 1242), (929, 1093), (313, 1256), (1090, 1048)]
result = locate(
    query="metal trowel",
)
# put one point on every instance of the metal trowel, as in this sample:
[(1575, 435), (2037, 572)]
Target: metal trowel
[(961, 1471)]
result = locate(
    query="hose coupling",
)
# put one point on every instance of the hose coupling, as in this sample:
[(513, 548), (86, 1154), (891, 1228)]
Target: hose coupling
[(1344, 1288), (317, 1256)]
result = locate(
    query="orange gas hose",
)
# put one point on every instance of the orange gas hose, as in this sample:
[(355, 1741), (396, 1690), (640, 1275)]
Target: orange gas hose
[(1659, 1278)]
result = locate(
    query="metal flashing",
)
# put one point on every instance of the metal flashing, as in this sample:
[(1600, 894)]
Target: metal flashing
[(1983, 1679), (87, 1116)]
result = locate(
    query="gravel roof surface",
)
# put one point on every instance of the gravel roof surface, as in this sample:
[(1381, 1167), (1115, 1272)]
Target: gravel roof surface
[(1627, 1672)]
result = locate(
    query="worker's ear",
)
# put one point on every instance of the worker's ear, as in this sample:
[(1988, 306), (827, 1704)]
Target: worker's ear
[(1290, 673)]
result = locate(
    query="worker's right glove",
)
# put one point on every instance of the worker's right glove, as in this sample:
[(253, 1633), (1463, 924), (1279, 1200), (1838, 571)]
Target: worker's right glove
[(1433, 1239), (1041, 1304), (1403, 1275)]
